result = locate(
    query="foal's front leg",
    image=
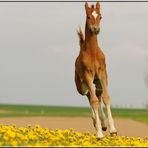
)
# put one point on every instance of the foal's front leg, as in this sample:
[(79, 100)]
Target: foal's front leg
[(94, 104), (102, 116), (99, 92), (93, 114), (106, 100)]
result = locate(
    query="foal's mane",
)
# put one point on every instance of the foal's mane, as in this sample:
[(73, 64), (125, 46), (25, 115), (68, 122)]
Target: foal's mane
[(81, 36)]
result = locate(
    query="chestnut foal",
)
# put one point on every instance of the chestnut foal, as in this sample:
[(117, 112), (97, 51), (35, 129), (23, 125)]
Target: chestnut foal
[(90, 71)]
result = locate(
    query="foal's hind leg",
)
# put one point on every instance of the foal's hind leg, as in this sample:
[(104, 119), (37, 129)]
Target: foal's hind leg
[(101, 112)]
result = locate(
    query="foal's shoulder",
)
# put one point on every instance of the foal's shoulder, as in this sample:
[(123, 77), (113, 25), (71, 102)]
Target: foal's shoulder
[(100, 53)]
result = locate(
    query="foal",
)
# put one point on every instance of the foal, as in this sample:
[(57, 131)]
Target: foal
[(90, 71)]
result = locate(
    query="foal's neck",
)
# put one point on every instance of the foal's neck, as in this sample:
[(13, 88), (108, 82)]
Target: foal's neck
[(91, 42)]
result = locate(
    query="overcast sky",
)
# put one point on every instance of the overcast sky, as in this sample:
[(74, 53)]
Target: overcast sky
[(39, 45)]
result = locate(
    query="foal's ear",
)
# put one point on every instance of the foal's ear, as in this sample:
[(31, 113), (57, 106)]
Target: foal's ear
[(86, 6), (98, 5)]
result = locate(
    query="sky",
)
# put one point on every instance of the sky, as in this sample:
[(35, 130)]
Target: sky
[(39, 45)]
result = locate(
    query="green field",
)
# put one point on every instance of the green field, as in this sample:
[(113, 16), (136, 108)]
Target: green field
[(40, 110)]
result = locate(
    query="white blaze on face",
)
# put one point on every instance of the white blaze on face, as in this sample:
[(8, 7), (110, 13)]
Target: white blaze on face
[(94, 13)]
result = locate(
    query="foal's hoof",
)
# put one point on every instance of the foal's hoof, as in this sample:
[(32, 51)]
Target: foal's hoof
[(113, 134), (99, 138), (104, 128)]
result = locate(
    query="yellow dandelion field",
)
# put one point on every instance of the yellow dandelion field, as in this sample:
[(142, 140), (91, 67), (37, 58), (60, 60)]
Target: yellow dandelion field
[(38, 136)]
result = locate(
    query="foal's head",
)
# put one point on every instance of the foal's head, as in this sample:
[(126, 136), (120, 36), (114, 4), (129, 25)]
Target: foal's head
[(93, 18)]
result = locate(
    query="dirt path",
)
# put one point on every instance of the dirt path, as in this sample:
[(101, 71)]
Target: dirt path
[(126, 127)]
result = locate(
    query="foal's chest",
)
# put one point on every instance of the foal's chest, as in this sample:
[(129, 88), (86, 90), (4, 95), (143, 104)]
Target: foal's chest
[(91, 64)]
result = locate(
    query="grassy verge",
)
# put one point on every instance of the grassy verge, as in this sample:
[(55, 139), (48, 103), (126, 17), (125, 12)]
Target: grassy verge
[(135, 114), (39, 110)]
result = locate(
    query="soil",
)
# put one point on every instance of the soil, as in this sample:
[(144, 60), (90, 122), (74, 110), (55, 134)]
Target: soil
[(125, 127)]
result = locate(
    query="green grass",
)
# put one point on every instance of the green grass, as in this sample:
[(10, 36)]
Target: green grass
[(135, 114), (40, 110)]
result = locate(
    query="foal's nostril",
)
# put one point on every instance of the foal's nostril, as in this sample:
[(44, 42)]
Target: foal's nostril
[(95, 28)]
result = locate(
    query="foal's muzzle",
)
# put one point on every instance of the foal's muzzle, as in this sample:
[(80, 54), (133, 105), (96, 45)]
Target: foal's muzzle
[(95, 29)]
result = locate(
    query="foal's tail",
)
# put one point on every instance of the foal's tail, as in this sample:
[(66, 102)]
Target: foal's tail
[(81, 36)]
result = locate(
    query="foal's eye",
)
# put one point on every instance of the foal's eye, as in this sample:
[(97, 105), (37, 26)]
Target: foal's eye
[(88, 17)]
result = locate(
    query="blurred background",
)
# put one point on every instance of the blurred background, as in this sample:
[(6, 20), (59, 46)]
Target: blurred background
[(39, 45)]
